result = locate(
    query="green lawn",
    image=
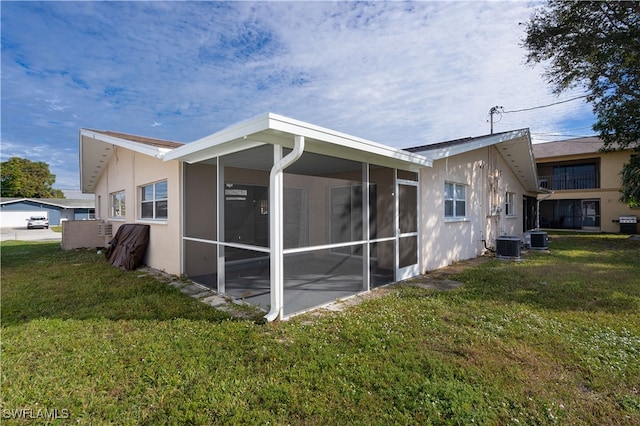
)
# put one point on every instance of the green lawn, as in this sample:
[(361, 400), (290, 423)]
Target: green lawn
[(553, 339)]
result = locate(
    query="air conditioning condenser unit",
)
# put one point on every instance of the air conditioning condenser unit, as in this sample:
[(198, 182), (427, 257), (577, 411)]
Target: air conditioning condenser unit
[(539, 240), (508, 247)]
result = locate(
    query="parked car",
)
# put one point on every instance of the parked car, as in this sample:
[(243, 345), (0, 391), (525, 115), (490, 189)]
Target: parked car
[(37, 222)]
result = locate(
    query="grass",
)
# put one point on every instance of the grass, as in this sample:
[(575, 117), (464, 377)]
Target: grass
[(554, 339)]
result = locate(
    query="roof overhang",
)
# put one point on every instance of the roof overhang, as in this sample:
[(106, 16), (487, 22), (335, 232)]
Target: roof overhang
[(514, 146), (518, 153), (279, 130), (96, 149)]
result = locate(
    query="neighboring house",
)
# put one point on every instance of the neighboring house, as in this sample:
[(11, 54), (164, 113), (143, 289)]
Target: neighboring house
[(14, 212), (584, 184), (289, 215)]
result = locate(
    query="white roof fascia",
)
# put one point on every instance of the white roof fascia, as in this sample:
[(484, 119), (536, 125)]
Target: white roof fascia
[(124, 143), (477, 144), (239, 137)]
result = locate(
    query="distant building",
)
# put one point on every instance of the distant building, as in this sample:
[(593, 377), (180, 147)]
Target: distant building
[(77, 194), (584, 184), (14, 212)]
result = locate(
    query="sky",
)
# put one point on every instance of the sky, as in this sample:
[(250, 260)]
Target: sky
[(398, 73)]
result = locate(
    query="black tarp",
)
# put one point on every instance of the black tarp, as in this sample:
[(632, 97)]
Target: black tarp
[(126, 250)]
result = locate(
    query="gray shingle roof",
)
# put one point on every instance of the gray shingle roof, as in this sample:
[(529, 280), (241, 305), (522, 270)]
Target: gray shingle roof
[(160, 143), (563, 148)]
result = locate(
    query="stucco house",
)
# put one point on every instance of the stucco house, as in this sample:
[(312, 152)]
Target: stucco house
[(583, 184), (289, 216)]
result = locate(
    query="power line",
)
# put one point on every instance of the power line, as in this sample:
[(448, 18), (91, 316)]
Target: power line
[(545, 106)]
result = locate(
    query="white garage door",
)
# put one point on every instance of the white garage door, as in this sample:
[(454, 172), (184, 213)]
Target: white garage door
[(18, 219)]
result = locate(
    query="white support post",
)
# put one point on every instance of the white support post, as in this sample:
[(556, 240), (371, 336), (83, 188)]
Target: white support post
[(366, 250), (220, 226), (396, 226)]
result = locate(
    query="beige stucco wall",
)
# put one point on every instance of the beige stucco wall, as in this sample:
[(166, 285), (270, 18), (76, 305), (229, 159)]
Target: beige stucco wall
[(487, 178), (127, 171), (609, 192)]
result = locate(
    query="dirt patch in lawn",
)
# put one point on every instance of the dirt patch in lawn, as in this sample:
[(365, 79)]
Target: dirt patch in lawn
[(440, 279)]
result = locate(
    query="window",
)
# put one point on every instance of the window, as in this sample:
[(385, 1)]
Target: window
[(154, 201), (510, 204), (455, 200), (117, 204), (577, 176)]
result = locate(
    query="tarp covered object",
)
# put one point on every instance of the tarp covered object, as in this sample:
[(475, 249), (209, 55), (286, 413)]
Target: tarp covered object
[(126, 250)]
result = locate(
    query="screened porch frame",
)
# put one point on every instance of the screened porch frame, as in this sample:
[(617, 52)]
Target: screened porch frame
[(303, 136)]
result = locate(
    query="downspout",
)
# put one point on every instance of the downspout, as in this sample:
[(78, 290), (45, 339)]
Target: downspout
[(276, 240)]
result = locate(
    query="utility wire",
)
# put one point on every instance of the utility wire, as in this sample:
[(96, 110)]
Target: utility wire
[(545, 106)]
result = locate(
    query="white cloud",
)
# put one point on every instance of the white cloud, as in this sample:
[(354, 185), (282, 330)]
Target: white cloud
[(398, 73)]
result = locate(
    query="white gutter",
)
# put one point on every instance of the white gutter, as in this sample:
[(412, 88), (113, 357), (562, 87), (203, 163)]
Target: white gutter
[(276, 239)]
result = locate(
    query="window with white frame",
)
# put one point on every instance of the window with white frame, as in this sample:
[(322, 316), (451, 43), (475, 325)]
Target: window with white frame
[(510, 204), (455, 200), (118, 204), (153, 201)]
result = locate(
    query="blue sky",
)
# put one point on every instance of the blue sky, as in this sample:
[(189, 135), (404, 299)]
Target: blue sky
[(398, 73)]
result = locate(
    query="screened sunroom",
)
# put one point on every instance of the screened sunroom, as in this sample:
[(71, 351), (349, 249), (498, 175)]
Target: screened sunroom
[(290, 216)]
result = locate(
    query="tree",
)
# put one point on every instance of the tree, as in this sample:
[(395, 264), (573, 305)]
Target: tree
[(631, 174), (595, 45), (28, 179)]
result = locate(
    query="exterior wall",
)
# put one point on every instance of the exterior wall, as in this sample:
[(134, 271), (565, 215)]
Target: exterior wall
[(609, 192), (80, 234), (487, 178), (127, 171)]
